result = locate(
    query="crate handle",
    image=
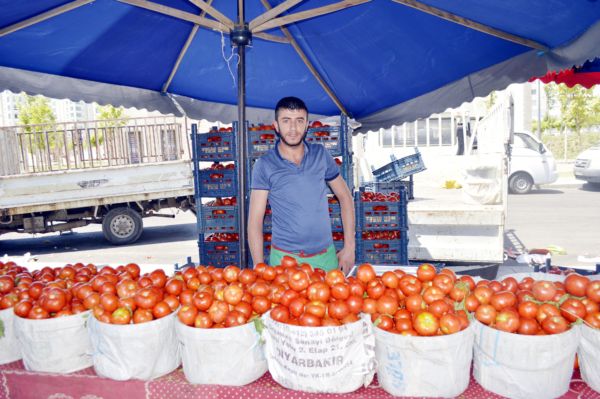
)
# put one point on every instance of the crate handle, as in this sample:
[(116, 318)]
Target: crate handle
[(212, 139), (215, 176), (219, 212), (379, 245), (380, 208), (221, 247)]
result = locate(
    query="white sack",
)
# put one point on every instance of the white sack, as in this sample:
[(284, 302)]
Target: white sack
[(320, 359), (58, 345), (437, 366), (589, 356), (135, 351), (10, 349), (223, 356)]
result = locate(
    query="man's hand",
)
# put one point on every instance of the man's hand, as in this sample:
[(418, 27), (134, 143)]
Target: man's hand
[(346, 260)]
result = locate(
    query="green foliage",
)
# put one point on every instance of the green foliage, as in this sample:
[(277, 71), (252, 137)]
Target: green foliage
[(33, 113), (113, 118)]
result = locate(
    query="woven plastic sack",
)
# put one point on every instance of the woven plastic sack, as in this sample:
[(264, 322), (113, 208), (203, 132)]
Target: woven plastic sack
[(58, 345), (10, 349), (135, 351), (320, 359)]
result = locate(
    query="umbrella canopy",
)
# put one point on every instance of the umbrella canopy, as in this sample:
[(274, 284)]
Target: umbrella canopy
[(586, 75), (382, 62)]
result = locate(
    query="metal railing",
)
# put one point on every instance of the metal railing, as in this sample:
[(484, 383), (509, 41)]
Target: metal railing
[(94, 144)]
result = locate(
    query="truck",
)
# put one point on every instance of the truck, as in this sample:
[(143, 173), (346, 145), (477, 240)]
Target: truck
[(58, 177)]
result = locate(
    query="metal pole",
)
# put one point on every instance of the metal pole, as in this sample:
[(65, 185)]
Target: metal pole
[(241, 142), (539, 116)]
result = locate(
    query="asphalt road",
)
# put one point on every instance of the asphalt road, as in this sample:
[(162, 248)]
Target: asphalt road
[(568, 217)]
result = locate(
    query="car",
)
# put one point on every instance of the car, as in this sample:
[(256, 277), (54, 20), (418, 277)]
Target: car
[(531, 164), (587, 165)]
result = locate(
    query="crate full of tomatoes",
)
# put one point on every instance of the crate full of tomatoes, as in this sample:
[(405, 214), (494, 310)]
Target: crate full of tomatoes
[(219, 144), (219, 215), (218, 180), (221, 249), (382, 247), (328, 136), (261, 138), (381, 211)]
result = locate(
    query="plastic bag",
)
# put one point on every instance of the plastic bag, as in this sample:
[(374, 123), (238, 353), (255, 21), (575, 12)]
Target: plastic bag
[(320, 359), (58, 345), (523, 366), (135, 351), (589, 356), (10, 349), (405, 365), (224, 356)]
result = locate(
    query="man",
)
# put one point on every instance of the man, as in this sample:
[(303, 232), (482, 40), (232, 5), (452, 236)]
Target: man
[(293, 177)]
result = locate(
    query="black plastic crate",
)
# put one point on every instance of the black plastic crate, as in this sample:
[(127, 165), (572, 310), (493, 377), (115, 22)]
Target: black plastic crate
[(218, 182), (219, 219), (401, 168), (216, 146), (220, 254)]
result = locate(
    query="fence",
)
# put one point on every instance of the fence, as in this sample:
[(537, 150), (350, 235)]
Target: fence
[(92, 144)]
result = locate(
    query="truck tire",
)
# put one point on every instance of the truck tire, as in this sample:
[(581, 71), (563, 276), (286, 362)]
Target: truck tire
[(520, 183), (122, 226)]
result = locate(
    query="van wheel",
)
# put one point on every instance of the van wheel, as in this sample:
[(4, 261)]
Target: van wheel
[(520, 183), (122, 226)]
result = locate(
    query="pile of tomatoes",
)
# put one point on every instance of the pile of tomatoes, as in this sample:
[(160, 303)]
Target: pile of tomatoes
[(381, 235), (536, 307), (215, 129), (223, 202), (220, 166), (370, 196), (222, 237)]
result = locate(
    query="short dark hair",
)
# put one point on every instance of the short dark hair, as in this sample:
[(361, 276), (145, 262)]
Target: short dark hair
[(293, 103)]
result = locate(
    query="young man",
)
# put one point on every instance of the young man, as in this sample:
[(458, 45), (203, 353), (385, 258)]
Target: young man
[(294, 176)]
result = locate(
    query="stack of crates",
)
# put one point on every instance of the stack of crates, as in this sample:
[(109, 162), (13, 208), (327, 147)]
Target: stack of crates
[(382, 225), (400, 169), (335, 139), (217, 219)]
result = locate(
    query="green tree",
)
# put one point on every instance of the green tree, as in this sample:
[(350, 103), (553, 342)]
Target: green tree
[(37, 117), (113, 118)]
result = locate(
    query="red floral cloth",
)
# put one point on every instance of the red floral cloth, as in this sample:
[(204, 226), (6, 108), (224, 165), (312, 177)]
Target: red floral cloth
[(17, 383)]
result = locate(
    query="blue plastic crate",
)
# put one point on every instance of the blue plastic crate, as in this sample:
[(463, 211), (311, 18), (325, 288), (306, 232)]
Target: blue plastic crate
[(392, 186), (218, 183), (268, 220), (260, 141), (329, 137), (219, 219), (217, 146), (220, 254), (335, 214), (338, 245), (400, 168), (377, 216), (383, 252)]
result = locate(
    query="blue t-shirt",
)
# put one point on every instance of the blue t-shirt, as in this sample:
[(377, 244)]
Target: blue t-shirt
[(298, 197)]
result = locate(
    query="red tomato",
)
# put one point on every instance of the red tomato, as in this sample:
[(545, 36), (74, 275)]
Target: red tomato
[(426, 324), (161, 309), (203, 320), (233, 294), (449, 324), (555, 325), (593, 291), (355, 303), (486, 314), (528, 327), (528, 309), (260, 305), (121, 316), (309, 320), (387, 305), (543, 290), (318, 291), (365, 273), (234, 319), (576, 284), (426, 272), (142, 316), (573, 309), (288, 261), (109, 302), (146, 298), (280, 313), (507, 321), (187, 314), (503, 299)]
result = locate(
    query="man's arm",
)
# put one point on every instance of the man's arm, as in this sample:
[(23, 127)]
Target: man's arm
[(256, 215), (344, 196)]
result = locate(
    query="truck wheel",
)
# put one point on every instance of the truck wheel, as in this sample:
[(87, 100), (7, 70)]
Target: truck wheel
[(122, 226), (520, 183)]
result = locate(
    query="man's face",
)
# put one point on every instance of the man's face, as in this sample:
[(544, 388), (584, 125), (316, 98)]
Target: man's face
[(291, 125)]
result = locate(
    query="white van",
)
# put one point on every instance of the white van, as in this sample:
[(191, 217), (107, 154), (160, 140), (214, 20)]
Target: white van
[(531, 164)]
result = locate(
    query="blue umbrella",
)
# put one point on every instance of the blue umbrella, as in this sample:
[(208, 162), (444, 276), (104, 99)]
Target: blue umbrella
[(381, 62)]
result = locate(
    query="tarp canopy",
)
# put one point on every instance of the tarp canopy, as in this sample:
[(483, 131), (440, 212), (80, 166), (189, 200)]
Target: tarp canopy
[(382, 62), (586, 75)]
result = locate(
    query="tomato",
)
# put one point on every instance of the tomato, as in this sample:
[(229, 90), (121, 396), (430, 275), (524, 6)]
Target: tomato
[(426, 324), (161, 309), (384, 322), (172, 301), (369, 306), (528, 327), (298, 281), (387, 305), (318, 291), (390, 279), (410, 285), (593, 291), (573, 309), (543, 290), (8, 301), (245, 308), (121, 316), (593, 319), (297, 306), (555, 325), (375, 289), (438, 307), (338, 310), (260, 305), (449, 272), (496, 286), (23, 307), (234, 319), (287, 297), (260, 289), (414, 303), (365, 273), (203, 320), (432, 294), (528, 309), (486, 314), (7, 283), (355, 303), (526, 284), (483, 294), (142, 316), (309, 320), (233, 294), (340, 291), (247, 277), (35, 289), (576, 284), (469, 281), (503, 299), (187, 314), (334, 277), (329, 322), (546, 310), (507, 321), (202, 300), (510, 284), (186, 297), (174, 285), (280, 313), (590, 306), (458, 291), (403, 324), (269, 273), (91, 300), (449, 324), (444, 282), (109, 302), (426, 272), (316, 308), (356, 288), (288, 261), (146, 298)]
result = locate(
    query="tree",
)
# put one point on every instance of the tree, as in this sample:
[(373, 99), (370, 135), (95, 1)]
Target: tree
[(37, 117), (113, 117)]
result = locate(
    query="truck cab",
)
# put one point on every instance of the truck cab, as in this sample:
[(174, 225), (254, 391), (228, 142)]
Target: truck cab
[(531, 163)]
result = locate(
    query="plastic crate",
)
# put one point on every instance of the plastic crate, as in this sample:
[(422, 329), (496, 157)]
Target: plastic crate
[(329, 137), (335, 214), (377, 216), (260, 142), (217, 146), (220, 254), (388, 187), (219, 219), (400, 168), (338, 245), (218, 183), (383, 252), (268, 221)]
